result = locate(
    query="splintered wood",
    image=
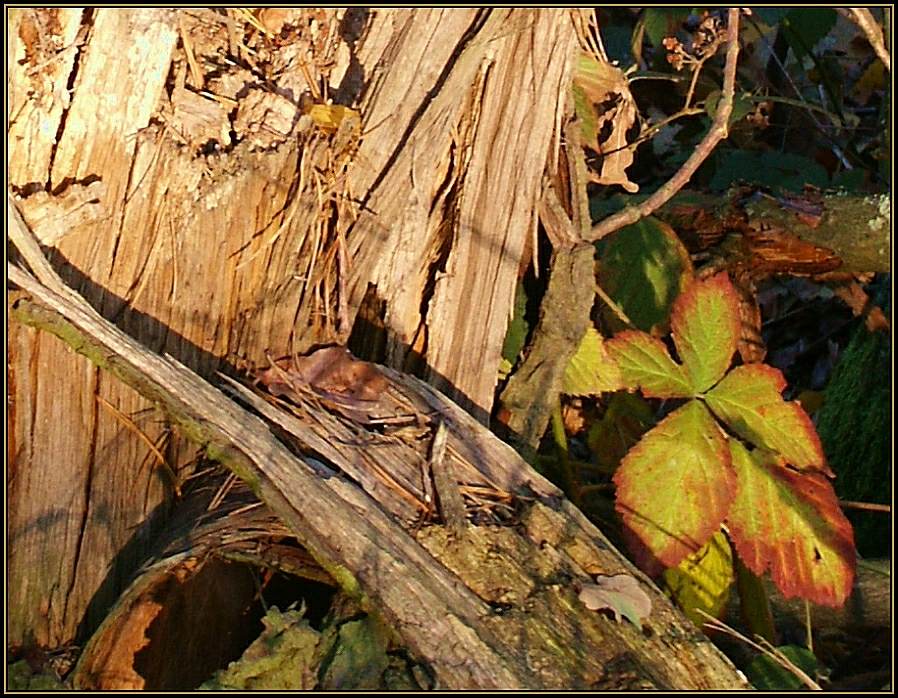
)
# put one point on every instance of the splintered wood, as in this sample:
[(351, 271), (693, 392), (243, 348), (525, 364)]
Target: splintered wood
[(351, 414)]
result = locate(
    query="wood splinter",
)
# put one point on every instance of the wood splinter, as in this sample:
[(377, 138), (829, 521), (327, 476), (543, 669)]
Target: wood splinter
[(452, 506)]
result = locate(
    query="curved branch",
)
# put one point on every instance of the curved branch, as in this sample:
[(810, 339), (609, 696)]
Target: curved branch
[(719, 130)]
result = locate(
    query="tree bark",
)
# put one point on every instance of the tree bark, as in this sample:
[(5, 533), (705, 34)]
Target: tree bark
[(171, 162)]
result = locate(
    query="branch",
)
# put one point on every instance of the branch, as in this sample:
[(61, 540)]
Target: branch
[(863, 18), (719, 130)]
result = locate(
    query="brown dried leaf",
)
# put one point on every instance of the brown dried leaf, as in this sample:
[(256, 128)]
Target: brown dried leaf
[(618, 156), (599, 79), (602, 84), (332, 371), (856, 298), (776, 251), (621, 594), (876, 320), (751, 344)]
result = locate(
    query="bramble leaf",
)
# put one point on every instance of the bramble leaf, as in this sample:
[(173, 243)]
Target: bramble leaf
[(675, 486), (748, 399), (705, 327), (643, 268), (645, 363), (791, 523), (767, 674), (703, 580), (591, 371)]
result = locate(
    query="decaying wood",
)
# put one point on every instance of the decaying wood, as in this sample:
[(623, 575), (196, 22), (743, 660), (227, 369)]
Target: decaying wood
[(189, 576), (450, 189), (496, 608), (534, 388), (851, 233), (856, 228), (189, 196), (170, 160)]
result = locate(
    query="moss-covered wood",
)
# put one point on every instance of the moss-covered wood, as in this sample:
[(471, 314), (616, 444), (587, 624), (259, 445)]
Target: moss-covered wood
[(854, 228)]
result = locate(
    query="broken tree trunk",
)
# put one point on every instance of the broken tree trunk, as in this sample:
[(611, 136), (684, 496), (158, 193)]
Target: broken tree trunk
[(493, 606), (189, 172)]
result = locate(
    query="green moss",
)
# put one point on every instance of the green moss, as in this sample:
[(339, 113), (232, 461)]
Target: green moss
[(19, 677), (283, 657), (347, 582), (855, 428)]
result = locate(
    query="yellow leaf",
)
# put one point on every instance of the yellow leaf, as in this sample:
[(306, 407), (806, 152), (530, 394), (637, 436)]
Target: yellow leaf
[(591, 370), (330, 117), (703, 580)]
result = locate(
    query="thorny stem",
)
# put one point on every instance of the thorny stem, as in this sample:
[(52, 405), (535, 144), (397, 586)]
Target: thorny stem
[(718, 131)]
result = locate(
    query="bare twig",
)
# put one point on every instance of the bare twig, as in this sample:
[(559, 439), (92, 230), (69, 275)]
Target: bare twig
[(719, 130), (452, 505), (863, 18), (29, 248), (866, 506), (615, 308)]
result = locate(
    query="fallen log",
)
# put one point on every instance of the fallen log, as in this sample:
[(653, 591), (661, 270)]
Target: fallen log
[(491, 604)]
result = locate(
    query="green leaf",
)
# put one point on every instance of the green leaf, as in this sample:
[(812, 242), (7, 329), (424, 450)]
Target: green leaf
[(702, 581), (663, 21), (767, 674), (591, 370), (742, 106), (705, 325), (754, 602), (643, 268), (586, 115), (748, 399), (778, 170), (516, 334), (645, 364), (675, 486), (791, 524), (770, 15), (805, 26), (626, 419)]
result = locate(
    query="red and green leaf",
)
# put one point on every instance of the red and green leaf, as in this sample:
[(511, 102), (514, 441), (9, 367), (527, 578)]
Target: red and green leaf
[(791, 524), (675, 486), (748, 399), (645, 364), (705, 326)]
